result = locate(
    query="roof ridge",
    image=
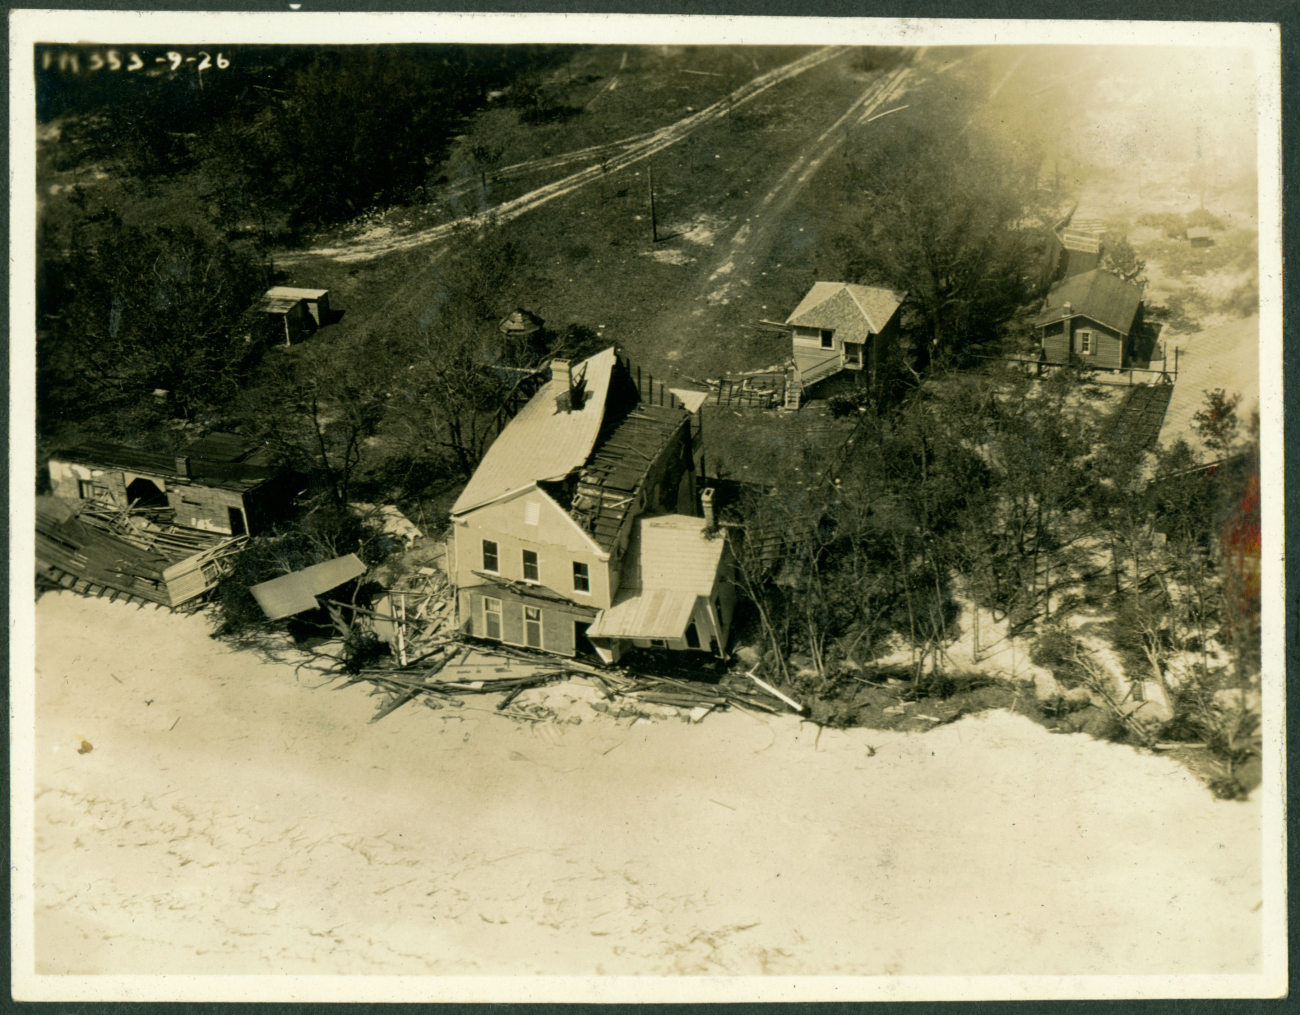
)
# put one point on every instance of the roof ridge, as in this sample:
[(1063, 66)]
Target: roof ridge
[(861, 309)]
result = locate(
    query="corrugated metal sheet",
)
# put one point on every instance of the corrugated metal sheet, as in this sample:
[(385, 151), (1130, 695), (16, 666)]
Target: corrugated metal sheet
[(289, 292), (295, 593), (672, 552), (652, 613), (542, 442), (280, 304), (1104, 297), (845, 308)]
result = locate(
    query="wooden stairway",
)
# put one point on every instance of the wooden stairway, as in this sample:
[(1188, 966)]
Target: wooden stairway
[(793, 393)]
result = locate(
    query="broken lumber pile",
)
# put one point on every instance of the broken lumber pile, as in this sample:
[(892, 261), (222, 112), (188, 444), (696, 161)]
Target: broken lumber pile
[(659, 690)]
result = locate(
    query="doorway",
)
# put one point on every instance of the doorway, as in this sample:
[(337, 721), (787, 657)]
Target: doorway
[(237, 526), (581, 643)]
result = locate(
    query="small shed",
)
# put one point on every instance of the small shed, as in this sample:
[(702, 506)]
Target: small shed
[(521, 324), (1199, 236), (296, 593), (293, 314), (316, 302)]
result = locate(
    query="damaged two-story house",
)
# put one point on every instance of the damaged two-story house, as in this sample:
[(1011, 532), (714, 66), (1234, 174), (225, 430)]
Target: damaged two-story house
[(578, 531)]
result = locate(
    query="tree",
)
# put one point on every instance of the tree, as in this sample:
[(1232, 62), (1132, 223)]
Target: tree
[(941, 218), (130, 307), (321, 409), (1217, 421)]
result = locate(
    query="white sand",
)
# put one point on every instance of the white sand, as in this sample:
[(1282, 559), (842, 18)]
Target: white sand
[(245, 823)]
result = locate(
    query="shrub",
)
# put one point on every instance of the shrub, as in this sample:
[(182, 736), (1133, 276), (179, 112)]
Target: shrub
[(1201, 217), (1169, 222)]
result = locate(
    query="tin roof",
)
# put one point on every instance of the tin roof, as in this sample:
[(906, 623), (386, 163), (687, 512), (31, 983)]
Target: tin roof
[(543, 441), (1099, 295), (673, 552), (296, 593), (217, 474), (280, 304), (658, 613), (290, 292), (844, 307)]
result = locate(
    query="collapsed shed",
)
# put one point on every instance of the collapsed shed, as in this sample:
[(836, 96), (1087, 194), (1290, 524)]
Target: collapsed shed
[(90, 549)]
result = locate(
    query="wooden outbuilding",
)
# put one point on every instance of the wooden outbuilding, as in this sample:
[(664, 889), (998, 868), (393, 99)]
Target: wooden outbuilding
[(1199, 236), (838, 327), (217, 484), (293, 314), (1095, 316)]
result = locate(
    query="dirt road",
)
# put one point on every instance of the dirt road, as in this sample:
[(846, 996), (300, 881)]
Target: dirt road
[(604, 160), (201, 811)]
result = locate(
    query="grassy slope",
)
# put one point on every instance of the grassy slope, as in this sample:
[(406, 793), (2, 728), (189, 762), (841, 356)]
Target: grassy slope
[(591, 253)]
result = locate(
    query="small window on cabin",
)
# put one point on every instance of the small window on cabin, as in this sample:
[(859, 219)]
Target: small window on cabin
[(828, 338), (533, 626), (581, 577), (530, 566), (1085, 343), (490, 560), (717, 606), (492, 619), (532, 511)]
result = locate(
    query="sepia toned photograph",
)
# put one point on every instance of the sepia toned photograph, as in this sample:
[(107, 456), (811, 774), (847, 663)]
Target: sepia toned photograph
[(689, 509)]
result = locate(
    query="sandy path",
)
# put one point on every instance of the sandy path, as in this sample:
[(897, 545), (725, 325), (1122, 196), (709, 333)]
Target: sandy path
[(230, 819)]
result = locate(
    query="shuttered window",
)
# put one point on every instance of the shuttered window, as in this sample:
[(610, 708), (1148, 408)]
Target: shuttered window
[(532, 627), (492, 619)]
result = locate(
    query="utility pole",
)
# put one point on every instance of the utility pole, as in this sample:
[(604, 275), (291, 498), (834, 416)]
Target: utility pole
[(654, 224)]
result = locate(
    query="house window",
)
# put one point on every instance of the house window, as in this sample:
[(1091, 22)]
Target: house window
[(1085, 343), (530, 566), (581, 577), (717, 606), (853, 354), (828, 339), (532, 511), (692, 635), (490, 560), (533, 626), (492, 619), (89, 490)]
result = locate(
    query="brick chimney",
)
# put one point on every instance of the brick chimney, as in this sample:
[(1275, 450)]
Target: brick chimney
[(706, 502), (183, 465)]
